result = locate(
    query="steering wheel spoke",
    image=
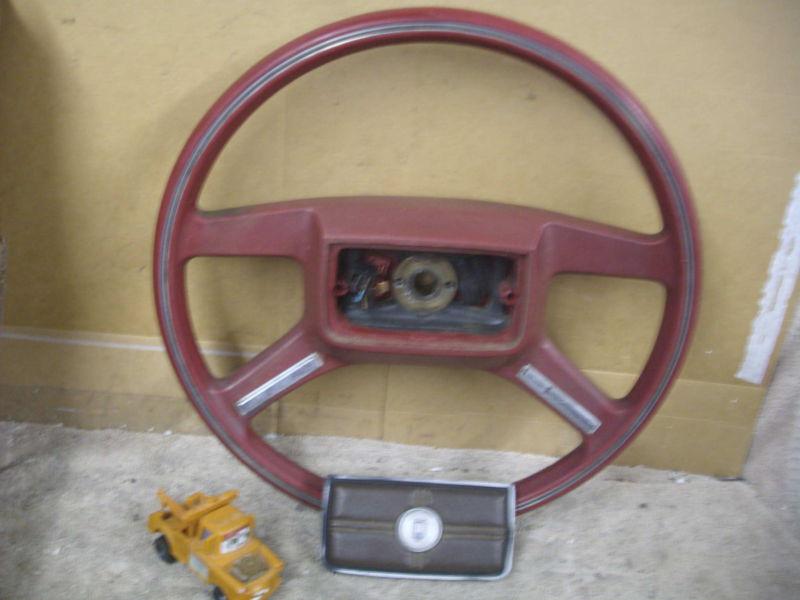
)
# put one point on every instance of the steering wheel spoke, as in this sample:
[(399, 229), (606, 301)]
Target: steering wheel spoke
[(548, 374), (285, 365), (571, 245), (281, 229)]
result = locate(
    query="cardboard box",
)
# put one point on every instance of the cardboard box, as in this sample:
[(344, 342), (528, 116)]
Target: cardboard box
[(97, 99)]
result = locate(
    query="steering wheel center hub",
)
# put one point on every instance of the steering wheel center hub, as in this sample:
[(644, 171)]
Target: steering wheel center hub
[(424, 283)]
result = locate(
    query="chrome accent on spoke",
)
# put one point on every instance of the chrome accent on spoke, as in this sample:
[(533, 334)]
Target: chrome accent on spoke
[(255, 400), (572, 410)]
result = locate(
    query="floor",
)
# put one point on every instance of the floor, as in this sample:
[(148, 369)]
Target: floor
[(73, 508)]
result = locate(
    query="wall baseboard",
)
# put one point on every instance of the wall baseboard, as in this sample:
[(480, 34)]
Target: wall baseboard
[(91, 380)]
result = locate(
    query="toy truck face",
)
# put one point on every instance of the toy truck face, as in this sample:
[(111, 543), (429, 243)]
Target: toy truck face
[(237, 561), (225, 530)]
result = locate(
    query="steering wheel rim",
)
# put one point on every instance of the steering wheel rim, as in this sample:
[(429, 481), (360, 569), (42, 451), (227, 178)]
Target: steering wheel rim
[(672, 257)]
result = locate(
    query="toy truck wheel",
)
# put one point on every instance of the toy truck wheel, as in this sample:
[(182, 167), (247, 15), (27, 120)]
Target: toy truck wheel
[(218, 594), (162, 549)]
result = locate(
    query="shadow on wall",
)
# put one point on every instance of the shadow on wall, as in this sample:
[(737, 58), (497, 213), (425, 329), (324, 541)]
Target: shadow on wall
[(32, 178), (2, 272)]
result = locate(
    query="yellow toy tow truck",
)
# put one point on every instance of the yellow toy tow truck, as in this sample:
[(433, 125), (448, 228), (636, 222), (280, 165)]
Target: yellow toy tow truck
[(215, 539)]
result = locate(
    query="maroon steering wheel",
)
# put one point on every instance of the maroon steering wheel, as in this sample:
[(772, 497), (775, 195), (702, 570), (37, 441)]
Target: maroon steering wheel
[(535, 244)]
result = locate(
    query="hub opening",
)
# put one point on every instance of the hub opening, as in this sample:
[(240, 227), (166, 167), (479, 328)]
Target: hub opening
[(426, 291), (425, 283)]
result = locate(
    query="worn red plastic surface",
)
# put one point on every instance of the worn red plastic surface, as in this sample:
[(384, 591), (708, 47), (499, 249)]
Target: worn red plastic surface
[(313, 231)]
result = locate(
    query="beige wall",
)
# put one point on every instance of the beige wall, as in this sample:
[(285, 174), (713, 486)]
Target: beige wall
[(97, 97)]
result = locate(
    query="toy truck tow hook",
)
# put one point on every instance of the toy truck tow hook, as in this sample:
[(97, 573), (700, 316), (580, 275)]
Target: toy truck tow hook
[(215, 540)]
